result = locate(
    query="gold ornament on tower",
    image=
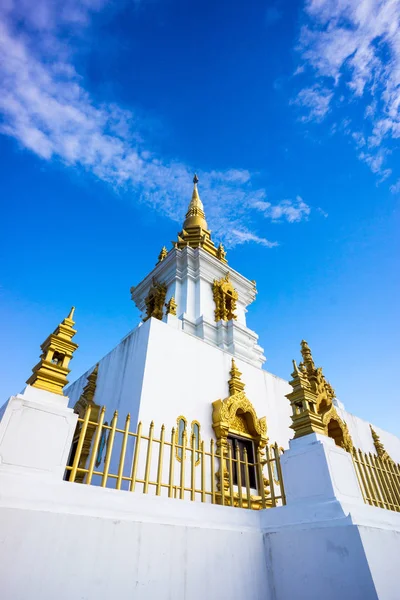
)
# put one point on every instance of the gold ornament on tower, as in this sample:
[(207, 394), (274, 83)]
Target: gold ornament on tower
[(195, 232), (225, 298), (155, 300), (171, 306), (379, 447), (51, 372), (312, 403), (162, 254)]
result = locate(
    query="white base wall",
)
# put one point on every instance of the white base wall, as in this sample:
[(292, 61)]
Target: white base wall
[(71, 541)]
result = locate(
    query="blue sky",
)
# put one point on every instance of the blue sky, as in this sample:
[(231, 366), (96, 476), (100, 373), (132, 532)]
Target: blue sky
[(288, 111)]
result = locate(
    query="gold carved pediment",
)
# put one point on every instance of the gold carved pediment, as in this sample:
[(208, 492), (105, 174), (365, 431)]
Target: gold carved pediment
[(237, 411)]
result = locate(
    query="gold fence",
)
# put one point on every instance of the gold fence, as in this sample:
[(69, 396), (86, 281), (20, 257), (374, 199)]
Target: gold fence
[(379, 480), (183, 470)]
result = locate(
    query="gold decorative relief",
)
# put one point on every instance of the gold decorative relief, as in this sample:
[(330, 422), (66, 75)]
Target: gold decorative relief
[(171, 306), (155, 300), (162, 254), (181, 437), (195, 440), (236, 415), (86, 398), (225, 298)]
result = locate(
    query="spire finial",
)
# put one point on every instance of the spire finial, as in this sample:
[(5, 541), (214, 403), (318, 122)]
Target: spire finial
[(195, 216), (51, 372), (235, 383), (195, 232), (307, 356)]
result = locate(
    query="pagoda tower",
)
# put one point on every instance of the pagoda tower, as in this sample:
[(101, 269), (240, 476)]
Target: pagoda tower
[(175, 368), (193, 288)]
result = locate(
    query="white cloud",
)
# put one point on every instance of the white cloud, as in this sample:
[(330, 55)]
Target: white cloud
[(395, 188), (316, 100), (291, 211), (247, 236), (353, 51), (45, 107)]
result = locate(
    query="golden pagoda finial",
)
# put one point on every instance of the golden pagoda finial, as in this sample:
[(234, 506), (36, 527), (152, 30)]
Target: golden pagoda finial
[(195, 232), (195, 216), (303, 401), (235, 383), (307, 356), (379, 447), (51, 372)]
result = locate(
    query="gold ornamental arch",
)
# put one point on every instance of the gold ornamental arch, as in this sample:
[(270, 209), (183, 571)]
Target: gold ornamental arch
[(236, 415)]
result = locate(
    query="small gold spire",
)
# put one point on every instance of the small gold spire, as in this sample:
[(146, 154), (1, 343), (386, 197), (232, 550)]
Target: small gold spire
[(307, 356), (235, 383), (162, 254), (221, 252), (171, 306), (51, 372), (303, 400), (379, 447)]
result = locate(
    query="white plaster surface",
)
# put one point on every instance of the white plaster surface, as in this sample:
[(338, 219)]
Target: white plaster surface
[(315, 469), (70, 541), (36, 432), (158, 373)]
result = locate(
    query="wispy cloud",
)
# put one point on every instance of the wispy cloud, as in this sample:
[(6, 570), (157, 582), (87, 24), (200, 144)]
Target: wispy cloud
[(46, 108), (246, 236), (352, 50), (291, 211), (316, 100)]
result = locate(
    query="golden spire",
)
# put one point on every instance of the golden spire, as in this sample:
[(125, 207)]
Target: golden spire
[(195, 216), (195, 232), (379, 447), (307, 356), (303, 400), (235, 383), (51, 372)]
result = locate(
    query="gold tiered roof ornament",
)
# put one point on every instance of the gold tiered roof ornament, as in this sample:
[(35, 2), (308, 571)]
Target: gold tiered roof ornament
[(51, 372), (195, 232), (313, 410)]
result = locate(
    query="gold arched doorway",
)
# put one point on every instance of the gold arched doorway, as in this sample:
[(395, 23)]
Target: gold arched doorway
[(236, 425)]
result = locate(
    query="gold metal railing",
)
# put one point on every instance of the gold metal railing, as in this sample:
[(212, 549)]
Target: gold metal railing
[(180, 470), (379, 480)]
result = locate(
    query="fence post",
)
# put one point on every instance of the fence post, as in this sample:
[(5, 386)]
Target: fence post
[(36, 432)]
